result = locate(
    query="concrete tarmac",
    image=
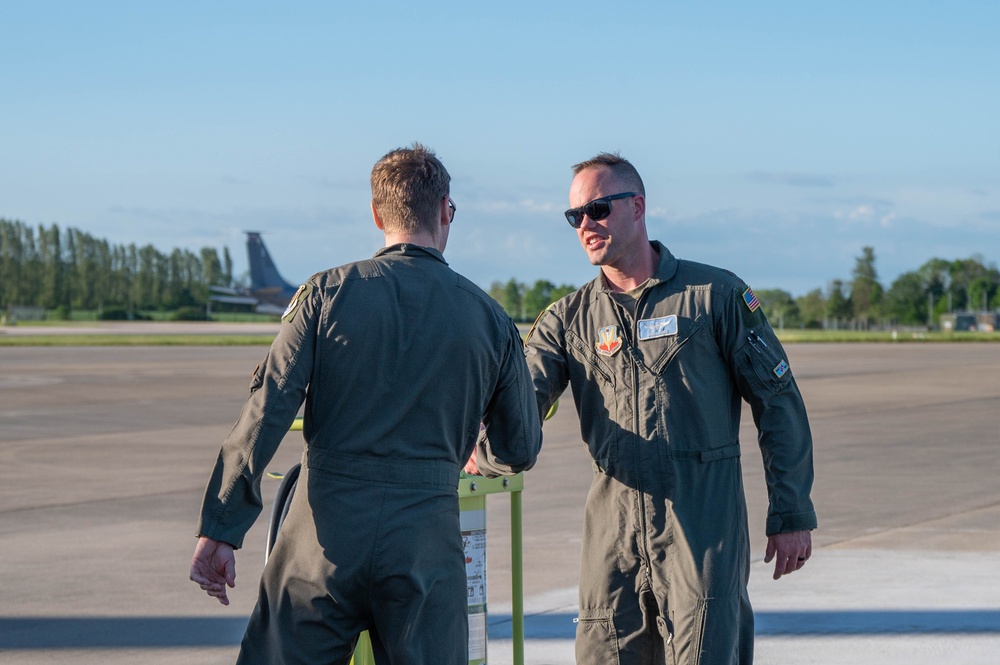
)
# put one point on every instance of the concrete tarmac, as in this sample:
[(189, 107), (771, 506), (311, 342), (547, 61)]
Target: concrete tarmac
[(105, 451)]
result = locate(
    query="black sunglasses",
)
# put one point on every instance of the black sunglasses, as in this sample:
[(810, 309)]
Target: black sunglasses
[(451, 206), (597, 209)]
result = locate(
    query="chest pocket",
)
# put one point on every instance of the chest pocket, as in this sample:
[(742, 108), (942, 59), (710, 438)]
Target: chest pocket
[(595, 389), (594, 367), (658, 352)]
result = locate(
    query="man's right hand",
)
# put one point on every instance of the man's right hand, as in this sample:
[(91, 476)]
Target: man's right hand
[(213, 567), (471, 467)]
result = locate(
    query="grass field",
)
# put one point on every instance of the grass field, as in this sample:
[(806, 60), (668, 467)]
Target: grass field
[(137, 340), (842, 336), (208, 339), (83, 318)]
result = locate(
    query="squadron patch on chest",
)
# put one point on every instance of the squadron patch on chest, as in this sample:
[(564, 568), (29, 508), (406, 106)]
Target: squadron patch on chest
[(663, 326), (609, 342)]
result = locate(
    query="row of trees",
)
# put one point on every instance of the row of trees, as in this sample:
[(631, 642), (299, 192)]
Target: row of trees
[(72, 270), (915, 298), (524, 303)]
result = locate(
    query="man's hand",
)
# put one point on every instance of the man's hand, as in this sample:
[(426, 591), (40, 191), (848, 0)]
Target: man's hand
[(471, 467), (213, 568), (790, 551)]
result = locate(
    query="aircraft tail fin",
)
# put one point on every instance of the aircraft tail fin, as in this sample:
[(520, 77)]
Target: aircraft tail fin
[(263, 273)]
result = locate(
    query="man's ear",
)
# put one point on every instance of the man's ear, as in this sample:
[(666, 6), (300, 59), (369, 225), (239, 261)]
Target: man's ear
[(639, 201), (378, 220), (445, 212)]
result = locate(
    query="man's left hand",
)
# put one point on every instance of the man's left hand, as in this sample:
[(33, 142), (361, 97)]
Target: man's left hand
[(790, 551)]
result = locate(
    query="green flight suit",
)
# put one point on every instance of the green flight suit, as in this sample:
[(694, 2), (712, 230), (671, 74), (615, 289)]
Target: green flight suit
[(398, 359), (658, 376)]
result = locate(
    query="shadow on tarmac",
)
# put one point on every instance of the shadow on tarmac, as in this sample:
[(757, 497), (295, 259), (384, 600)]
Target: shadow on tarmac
[(26, 633), (119, 632), (831, 623)]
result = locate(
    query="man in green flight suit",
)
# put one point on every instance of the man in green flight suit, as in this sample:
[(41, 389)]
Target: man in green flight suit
[(659, 353), (398, 359)]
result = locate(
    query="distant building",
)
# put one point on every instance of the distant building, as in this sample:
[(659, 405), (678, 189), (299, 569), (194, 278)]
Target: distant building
[(17, 313), (970, 321), (988, 321)]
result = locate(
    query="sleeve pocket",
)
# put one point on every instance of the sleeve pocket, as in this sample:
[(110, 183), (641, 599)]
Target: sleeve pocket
[(762, 370)]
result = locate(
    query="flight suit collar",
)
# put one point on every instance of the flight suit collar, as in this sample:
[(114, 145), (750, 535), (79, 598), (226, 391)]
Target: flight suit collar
[(409, 249), (666, 268)]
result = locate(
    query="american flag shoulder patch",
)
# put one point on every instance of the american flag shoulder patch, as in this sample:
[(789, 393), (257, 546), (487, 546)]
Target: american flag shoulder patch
[(751, 300)]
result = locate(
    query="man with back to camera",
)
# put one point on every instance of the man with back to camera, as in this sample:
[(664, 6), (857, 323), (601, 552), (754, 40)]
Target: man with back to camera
[(659, 353), (398, 358)]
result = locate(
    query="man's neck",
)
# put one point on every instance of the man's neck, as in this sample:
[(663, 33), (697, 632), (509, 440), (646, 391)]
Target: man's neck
[(638, 270), (423, 239)]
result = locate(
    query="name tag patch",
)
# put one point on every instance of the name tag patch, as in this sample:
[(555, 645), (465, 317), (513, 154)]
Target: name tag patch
[(661, 327)]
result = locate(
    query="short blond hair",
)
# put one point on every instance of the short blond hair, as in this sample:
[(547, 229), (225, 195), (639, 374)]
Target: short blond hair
[(407, 187), (618, 165)]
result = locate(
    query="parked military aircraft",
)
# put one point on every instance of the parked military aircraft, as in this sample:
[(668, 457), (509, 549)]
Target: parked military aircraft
[(268, 293)]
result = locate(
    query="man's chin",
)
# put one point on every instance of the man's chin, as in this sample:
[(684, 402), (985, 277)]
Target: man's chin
[(596, 257)]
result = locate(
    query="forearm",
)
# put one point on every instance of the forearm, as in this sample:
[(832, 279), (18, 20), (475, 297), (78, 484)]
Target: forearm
[(787, 450)]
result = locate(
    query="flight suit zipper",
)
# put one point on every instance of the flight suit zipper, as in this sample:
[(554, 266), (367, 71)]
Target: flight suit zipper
[(643, 521), (634, 360)]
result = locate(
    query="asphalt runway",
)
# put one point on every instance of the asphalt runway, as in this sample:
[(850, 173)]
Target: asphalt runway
[(104, 453)]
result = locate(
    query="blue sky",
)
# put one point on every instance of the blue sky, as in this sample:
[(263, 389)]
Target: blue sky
[(775, 139)]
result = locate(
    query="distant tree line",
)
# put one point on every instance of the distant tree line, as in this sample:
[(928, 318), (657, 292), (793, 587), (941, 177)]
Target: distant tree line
[(66, 270), (523, 303), (72, 270), (915, 298)]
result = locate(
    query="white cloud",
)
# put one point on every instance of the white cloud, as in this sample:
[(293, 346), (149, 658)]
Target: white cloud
[(879, 211)]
